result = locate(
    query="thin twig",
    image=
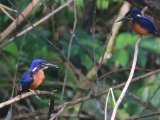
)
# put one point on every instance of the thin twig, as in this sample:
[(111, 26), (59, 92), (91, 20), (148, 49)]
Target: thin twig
[(107, 99), (146, 105), (54, 116), (5, 12), (7, 8), (105, 112), (129, 79), (144, 116), (69, 49)]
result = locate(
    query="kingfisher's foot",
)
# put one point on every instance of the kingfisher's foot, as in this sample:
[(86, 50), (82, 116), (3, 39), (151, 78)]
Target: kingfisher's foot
[(35, 94), (30, 90)]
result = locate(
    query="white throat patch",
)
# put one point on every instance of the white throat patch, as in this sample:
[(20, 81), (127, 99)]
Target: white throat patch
[(34, 69)]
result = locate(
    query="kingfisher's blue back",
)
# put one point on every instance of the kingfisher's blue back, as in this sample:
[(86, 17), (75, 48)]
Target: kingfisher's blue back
[(26, 81), (146, 24)]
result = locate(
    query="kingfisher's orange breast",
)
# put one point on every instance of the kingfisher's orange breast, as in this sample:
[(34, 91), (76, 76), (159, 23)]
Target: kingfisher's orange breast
[(138, 29), (38, 79)]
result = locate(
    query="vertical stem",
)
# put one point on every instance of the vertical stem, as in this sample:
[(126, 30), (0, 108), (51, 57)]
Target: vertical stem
[(69, 49), (129, 79), (51, 106)]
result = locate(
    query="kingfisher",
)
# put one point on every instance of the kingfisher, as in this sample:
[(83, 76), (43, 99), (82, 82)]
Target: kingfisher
[(31, 79), (141, 24)]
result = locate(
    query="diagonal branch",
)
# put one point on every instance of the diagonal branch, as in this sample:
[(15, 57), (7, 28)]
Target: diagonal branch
[(19, 20), (20, 97), (5, 12)]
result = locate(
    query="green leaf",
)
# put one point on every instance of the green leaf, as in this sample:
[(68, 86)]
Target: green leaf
[(121, 57), (142, 58), (143, 93), (125, 39), (102, 4), (80, 3), (86, 61), (11, 49), (150, 44), (122, 114), (155, 100)]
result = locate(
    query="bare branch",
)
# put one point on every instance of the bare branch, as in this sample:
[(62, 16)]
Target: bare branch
[(20, 97)]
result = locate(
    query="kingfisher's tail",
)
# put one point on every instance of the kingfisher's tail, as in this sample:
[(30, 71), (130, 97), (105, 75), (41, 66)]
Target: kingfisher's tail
[(4, 110)]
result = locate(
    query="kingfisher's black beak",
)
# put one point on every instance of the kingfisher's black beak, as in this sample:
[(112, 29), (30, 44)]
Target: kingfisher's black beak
[(123, 18), (50, 65)]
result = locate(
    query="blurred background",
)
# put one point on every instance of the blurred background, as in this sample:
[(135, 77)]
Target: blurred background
[(94, 53)]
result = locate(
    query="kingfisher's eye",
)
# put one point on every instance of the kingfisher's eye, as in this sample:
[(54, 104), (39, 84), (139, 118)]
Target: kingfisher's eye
[(43, 64)]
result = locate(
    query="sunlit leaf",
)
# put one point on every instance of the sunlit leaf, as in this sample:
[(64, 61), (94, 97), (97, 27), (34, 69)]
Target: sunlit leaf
[(79, 3), (86, 61), (143, 93), (102, 4), (122, 114), (151, 45)]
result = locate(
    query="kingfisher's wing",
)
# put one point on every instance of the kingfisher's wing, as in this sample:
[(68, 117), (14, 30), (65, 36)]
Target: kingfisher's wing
[(26, 81), (147, 24)]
